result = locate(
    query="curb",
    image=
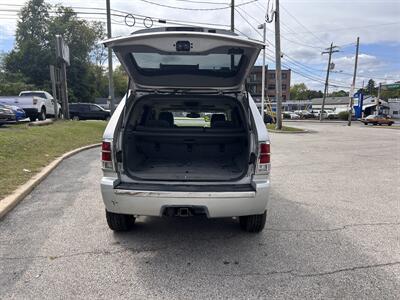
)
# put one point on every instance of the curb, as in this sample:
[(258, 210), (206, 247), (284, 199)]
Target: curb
[(9, 202), (41, 123), (289, 132)]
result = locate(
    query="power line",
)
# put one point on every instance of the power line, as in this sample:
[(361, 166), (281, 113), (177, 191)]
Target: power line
[(184, 8), (201, 2), (255, 29), (301, 24), (196, 9), (349, 28), (140, 17)]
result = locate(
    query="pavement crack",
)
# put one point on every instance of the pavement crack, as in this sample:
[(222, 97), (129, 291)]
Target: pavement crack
[(333, 229), (356, 268), (297, 274)]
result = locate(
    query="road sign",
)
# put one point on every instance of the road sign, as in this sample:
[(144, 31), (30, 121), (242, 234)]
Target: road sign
[(391, 86)]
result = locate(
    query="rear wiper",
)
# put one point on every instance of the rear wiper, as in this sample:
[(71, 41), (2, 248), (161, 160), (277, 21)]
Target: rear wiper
[(179, 67)]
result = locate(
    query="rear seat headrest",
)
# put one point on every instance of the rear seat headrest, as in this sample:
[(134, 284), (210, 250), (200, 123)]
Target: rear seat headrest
[(167, 116)]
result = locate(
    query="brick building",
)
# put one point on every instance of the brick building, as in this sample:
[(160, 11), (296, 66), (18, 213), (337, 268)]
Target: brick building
[(254, 83)]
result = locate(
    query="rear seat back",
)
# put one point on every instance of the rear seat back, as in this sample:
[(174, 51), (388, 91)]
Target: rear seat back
[(217, 118)]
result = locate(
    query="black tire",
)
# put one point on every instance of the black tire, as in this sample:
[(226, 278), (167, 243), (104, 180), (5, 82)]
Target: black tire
[(119, 222), (390, 124), (42, 114), (33, 119), (75, 117), (253, 223)]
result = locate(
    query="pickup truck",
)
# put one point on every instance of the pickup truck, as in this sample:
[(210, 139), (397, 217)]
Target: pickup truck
[(36, 104)]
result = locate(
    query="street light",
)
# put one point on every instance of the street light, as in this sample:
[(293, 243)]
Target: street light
[(263, 26)]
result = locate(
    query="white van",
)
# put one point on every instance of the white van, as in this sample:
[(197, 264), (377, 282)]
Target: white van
[(187, 138)]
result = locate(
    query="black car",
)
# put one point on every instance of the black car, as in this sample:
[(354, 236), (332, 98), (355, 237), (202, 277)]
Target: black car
[(88, 111)]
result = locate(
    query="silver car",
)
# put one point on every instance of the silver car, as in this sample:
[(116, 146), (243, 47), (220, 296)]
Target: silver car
[(187, 138)]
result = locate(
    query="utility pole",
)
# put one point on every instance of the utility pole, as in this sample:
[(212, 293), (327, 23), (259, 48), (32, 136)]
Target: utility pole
[(62, 55), (379, 96), (331, 50), (233, 15), (110, 64), (278, 73), (263, 26), (354, 83), (54, 90)]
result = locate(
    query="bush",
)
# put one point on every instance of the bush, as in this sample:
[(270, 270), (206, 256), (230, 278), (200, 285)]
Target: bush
[(343, 115)]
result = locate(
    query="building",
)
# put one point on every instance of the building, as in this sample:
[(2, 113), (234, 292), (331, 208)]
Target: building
[(254, 83), (338, 104), (394, 108)]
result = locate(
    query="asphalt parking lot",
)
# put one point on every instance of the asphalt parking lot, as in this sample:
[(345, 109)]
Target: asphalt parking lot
[(332, 231)]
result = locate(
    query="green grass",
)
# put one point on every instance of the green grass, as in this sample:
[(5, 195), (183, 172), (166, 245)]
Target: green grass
[(33, 147), (284, 128)]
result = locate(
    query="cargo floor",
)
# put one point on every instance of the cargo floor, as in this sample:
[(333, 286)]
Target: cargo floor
[(219, 168)]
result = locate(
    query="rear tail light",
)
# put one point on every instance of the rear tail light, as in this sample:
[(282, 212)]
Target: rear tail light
[(264, 158), (106, 155)]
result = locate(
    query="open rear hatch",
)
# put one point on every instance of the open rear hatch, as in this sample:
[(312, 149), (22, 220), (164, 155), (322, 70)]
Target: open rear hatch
[(186, 58)]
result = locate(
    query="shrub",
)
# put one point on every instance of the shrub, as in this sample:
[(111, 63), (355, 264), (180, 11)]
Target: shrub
[(343, 115)]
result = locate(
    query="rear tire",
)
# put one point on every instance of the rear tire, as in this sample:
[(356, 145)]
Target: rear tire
[(253, 223), (76, 118), (33, 119), (119, 222)]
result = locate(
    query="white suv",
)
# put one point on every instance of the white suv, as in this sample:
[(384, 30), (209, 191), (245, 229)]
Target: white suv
[(187, 139)]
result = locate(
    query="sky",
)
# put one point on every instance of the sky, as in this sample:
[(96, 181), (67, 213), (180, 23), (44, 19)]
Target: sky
[(308, 27)]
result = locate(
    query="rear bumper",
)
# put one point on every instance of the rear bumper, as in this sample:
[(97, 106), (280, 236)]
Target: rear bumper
[(216, 203), (31, 112)]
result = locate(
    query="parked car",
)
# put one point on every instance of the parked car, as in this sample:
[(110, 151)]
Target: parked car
[(36, 104), (6, 115), (378, 120), (19, 112), (327, 114), (304, 114), (290, 115), (88, 111), (152, 166)]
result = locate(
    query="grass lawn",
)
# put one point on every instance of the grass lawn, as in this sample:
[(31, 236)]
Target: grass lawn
[(33, 147), (284, 128)]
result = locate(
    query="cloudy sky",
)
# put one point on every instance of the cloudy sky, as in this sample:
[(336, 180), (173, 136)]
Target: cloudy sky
[(307, 27)]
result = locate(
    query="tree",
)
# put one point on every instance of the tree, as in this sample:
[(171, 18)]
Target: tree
[(120, 81), (371, 87), (31, 55), (35, 48), (298, 91), (340, 93)]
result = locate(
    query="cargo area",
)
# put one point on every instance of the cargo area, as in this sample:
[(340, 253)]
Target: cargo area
[(186, 139)]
